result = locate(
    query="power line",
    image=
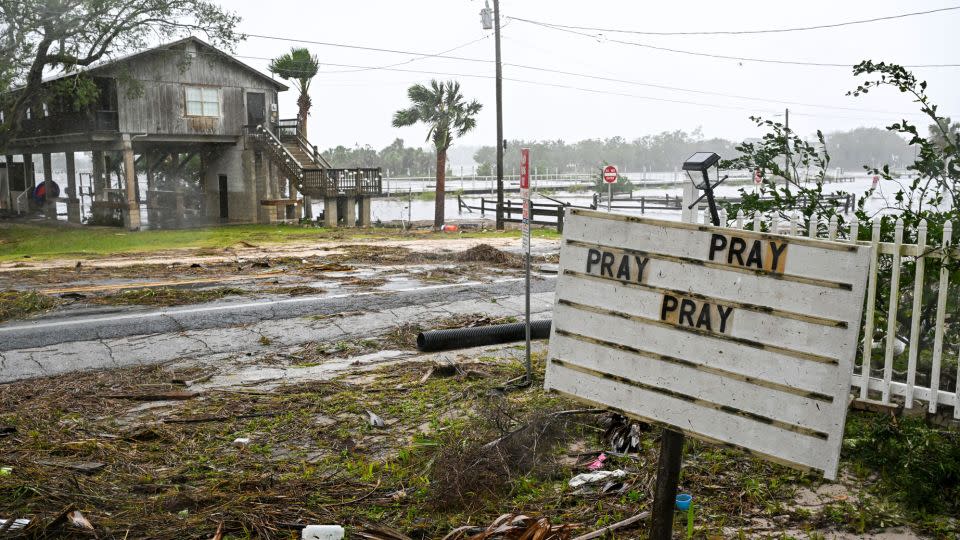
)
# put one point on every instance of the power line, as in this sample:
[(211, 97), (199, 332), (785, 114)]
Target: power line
[(717, 56), (442, 55), (743, 32)]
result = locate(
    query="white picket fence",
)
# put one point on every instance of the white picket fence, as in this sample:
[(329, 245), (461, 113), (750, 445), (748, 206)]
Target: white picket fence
[(864, 381)]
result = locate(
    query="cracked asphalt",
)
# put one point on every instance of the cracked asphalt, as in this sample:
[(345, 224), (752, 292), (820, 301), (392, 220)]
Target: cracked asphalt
[(105, 338)]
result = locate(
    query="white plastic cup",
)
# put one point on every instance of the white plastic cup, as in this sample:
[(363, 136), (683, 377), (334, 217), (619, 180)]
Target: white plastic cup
[(322, 532)]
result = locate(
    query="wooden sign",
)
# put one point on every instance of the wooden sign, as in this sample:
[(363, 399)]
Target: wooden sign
[(729, 336)]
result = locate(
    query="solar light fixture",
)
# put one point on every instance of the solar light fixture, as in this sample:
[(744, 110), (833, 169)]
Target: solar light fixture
[(702, 162)]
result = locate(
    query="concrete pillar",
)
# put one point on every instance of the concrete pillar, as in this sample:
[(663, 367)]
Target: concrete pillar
[(30, 178), (350, 219), (131, 217), (5, 186), (73, 202), (263, 213), (330, 212), (179, 208), (308, 207), (99, 187), (151, 187), (365, 210), (50, 203)]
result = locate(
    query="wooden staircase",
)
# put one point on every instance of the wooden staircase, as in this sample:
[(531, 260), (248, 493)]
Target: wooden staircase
[(302, 162)]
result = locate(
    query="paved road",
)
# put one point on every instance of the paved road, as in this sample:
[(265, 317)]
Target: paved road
[(100, 325)]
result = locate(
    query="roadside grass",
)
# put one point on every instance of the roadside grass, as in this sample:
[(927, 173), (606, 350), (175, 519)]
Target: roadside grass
[(20, 241), (20, 304)]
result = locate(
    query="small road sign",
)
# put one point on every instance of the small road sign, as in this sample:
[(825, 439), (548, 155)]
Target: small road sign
[(610, 174)]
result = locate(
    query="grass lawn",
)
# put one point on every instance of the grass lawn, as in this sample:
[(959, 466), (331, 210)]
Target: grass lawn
[(50, 242)]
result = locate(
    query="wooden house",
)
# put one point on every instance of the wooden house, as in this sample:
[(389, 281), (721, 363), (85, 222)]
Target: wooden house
[(193, 136)]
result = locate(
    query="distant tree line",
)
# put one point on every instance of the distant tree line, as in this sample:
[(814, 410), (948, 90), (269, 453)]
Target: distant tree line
[(850, 150), (666, 151), (397, 158)]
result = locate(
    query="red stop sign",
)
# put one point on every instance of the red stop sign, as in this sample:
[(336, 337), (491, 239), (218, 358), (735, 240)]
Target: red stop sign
[(610, 174)]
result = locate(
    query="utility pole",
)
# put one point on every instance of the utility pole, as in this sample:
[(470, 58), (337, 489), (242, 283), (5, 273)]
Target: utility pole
[(496, 31)]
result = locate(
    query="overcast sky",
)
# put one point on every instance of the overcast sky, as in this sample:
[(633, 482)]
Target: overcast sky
[(355, 107)]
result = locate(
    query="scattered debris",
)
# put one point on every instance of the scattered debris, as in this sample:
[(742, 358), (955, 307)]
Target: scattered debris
[(72, 296), (582, 480), (322, 532), (375, 420), (515, 527), (85, 467), (597, 463), (488, 254), (618, 525), (623, 435), (7, 430), (6, 471), (75, 518), (241, 441), (172, 395), (13, 524)]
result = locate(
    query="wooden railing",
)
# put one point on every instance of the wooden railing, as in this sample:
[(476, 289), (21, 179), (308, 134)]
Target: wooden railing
[(268, 143), (334, 182)]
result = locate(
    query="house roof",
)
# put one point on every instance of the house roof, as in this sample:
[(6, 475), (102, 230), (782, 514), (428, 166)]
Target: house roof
[(105, 65)]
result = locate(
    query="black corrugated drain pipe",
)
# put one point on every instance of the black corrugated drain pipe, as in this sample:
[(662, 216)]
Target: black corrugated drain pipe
[(462, 338)]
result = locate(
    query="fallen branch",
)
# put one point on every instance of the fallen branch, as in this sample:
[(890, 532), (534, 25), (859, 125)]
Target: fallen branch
[(571, 412), (618, 525), (158, 396), (358, 499), (211, 418)]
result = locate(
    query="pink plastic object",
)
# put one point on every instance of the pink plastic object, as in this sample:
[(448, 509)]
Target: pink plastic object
[(597, 463)]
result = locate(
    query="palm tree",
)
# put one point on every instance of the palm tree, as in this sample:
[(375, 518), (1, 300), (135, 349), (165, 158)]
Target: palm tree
[(443, 109), (299, 67)]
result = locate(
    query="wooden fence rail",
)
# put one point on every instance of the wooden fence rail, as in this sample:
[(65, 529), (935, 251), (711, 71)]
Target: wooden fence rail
[(885, 383)]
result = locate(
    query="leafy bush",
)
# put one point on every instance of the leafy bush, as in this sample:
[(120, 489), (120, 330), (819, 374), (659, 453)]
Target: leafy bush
[(919, 463)]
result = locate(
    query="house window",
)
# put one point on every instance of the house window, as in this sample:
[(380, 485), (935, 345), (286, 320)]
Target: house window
[(203, 101)]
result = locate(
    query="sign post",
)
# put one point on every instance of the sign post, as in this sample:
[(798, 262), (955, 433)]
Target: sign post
[(729, 336), (525, 233), (610, 177)]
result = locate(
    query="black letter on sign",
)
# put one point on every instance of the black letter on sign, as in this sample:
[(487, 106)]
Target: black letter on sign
[(593, 257), (777, 252), (624, 271), (754, 259), (737, 247), (669, 304), (718, 242), (606, 266), (641, 265), (724, 317), (687, 308)]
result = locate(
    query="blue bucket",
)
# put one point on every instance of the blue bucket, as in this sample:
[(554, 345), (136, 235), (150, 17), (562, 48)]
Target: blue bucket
[(683, 501)]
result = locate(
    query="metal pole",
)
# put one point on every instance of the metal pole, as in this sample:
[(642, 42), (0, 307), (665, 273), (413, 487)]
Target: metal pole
[(609, 195), (527, 363), (496, 26)]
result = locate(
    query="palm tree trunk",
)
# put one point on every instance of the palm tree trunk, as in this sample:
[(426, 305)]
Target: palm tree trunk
[(304, 105), (441, 181)]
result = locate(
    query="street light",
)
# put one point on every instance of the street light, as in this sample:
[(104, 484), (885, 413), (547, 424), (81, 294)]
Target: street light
[(701, 162), (485, 16)]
